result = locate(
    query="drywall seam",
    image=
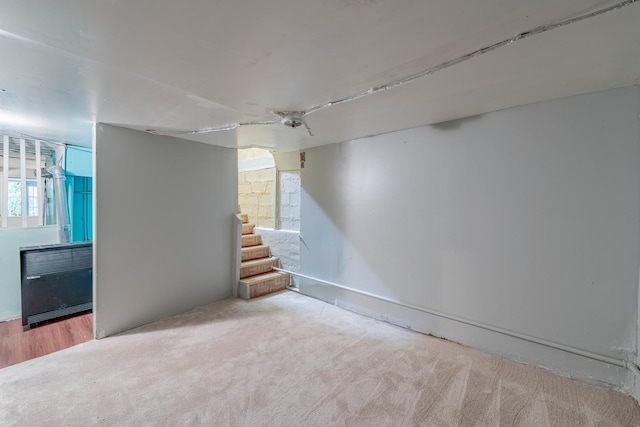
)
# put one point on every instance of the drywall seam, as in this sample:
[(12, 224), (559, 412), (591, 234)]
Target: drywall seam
[(579, 352)]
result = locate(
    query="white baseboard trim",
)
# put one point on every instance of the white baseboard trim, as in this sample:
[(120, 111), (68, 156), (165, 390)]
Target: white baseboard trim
[(559, 361), (8, 316)]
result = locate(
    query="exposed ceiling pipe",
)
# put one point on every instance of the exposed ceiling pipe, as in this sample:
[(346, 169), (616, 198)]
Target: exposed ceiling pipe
[(60, 201)]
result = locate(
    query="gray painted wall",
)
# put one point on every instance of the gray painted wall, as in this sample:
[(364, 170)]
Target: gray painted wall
[(526, 219), (163, 227)]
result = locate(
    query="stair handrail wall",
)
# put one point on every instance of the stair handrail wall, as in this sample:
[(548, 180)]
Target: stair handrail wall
[(237, 250)]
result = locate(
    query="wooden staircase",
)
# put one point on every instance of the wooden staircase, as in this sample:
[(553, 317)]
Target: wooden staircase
[(257, 276)]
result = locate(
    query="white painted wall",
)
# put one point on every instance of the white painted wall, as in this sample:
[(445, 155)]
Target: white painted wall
[(11, 240), (526, 219), (289, 196), (163, 226), (285, 245)]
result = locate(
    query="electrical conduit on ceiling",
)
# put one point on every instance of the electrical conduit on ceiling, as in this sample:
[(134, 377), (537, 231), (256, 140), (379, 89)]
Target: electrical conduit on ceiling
[(295, 119)]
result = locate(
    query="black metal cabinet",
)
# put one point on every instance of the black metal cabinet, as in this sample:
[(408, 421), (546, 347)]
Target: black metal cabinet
[(57, 280)]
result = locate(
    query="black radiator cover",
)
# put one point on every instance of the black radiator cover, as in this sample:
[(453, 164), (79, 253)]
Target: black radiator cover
[(57, 280)]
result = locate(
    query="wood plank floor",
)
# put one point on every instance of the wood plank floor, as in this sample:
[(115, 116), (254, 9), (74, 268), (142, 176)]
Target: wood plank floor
[(17, 345)]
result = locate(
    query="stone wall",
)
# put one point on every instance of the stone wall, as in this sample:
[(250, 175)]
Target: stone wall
[(257, 196), (285, 245), (289, 200)]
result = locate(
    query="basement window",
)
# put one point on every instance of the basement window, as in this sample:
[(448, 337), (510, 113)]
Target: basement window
[(15, 197), (25, 191)]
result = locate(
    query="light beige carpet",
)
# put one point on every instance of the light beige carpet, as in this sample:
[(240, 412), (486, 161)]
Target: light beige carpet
[(288, 360)]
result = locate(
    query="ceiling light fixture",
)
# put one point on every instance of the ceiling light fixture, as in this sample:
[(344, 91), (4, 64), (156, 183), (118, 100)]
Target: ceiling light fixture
[(291, 119)]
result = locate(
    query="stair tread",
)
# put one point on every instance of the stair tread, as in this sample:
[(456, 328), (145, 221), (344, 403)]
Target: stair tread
[(248, 248), (255, 252), (252, 280), (257, 266), (247, 228), (249, 237), (257, 261)]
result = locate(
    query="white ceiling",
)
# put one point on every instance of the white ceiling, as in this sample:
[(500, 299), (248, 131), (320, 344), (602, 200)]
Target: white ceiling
[(184, 66)]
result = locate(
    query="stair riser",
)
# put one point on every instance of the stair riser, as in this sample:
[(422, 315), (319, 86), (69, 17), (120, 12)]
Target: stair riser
[(264, 287), (251, 240), (245, 218), (255, 252), (252, 270), (247, 228)]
